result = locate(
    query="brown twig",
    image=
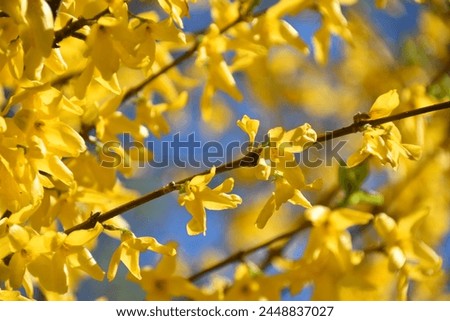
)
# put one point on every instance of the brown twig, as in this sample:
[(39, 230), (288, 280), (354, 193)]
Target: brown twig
[(358, 125), (248, 160)]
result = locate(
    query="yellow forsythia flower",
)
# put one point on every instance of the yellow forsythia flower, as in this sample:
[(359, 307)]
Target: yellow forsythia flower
[(277, 158), (252, 284), (197, 196), (384, 141), (51, 251), (403, 248), (330, 238), (407, 255)]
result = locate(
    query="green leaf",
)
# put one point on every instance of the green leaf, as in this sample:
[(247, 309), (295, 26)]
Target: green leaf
[(351, 179), (365, 197), (441, 88)]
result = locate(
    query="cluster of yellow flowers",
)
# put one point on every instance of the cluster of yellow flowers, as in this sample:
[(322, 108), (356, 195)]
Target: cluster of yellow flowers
[(66, 79)]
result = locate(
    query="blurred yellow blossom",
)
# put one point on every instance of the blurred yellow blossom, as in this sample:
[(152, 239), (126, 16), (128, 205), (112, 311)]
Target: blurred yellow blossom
[(251, 284), (407, 254), (330, 240)]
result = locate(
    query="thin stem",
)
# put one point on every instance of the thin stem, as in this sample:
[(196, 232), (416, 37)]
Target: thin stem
[(358, 125), (248, 160), (134, 90)]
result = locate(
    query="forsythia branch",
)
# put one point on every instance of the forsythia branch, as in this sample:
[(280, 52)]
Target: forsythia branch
[(358, 123), (249, 160)]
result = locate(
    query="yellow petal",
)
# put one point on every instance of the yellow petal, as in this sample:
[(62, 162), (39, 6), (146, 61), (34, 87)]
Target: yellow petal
[(84, 261), (99, 42), (386, 227), (283, 192), (18, 237), (40, 19), (54, 166), (344, 218), (294, 175), (430, 260), (321, 42), (226, 186), (276, 133), (51, 272), (299, 137), (206, 101), (222, 78), (397, 258), (317, 215), (176, 9), (17, 266), (82, 237), (2, 125), (16, 61), (299, 199), (402, 286), (292, 37), (167, 264), (384, 105), (356, 158), (114, 263), (5, 248), (62, 139), (410, 223), (197, 224), (56, 62), (263, 170), (165, 30), (213, 200), (381, 4), (152, 244), (7, 295), (412, 151), (266, 213), (130, 258), (202, 180)]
